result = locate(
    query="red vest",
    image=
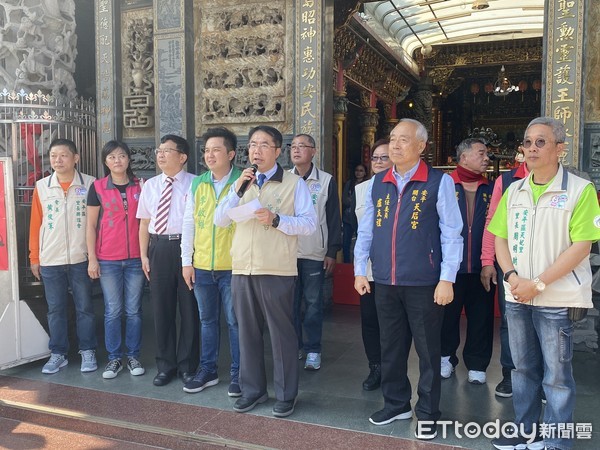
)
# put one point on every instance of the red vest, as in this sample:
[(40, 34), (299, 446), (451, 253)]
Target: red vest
[(117, 231)]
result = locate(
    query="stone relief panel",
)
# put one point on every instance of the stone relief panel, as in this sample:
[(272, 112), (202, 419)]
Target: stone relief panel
[(242, 72), (591, 99), (38, 46), (137, 72)]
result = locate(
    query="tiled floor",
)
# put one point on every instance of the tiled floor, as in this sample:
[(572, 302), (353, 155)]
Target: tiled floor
[(330, 397)]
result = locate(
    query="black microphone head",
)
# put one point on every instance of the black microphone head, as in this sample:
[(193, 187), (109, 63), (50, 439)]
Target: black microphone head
[(254, 167)]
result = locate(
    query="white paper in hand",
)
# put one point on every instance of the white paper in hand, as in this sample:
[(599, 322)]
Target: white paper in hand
[(244, 212)]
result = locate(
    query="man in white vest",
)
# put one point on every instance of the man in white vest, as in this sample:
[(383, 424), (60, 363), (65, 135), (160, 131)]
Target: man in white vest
[(317, 252), (545, 225)]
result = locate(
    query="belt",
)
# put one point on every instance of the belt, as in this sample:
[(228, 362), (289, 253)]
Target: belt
[(166, 237)]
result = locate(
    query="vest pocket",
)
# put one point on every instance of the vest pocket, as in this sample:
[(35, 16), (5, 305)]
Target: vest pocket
[(565, 343)]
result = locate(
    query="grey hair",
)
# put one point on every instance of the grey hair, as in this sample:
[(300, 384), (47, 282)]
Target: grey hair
[(421, 132), (558, 129), (466, 145)]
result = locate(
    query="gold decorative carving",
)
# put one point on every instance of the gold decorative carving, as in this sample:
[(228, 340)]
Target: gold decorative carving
[(591, 98)]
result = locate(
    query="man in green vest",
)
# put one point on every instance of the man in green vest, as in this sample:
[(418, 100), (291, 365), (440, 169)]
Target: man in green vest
[(206, 260)]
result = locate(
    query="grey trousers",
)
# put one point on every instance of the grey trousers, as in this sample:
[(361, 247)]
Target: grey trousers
[(260, 300)]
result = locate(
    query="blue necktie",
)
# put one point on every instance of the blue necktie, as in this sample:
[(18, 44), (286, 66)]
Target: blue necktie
[(261, 179)]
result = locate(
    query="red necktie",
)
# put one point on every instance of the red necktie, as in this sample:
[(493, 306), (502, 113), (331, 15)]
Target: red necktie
[(162, 213)]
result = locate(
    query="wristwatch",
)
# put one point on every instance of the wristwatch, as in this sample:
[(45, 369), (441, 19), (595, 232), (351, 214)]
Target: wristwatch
[(509, 273), (275, 222), (539, 285)]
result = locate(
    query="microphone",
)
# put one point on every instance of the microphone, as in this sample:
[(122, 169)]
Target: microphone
[(246, 183)]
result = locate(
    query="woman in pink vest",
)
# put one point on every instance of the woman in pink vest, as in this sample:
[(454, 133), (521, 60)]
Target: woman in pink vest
[(114, 255)]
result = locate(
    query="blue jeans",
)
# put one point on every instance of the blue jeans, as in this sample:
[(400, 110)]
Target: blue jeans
[(57, 280), (542, 349), (213, 289), (308, 285), (505, 356), (122, 284)]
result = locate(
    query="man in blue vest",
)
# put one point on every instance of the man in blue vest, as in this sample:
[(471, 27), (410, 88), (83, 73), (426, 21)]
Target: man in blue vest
[(473, 193), (417, 253)]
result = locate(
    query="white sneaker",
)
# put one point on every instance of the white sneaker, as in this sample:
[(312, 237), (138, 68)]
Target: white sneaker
[(88, 360), (446, 367), (476, 377), (55, 363)]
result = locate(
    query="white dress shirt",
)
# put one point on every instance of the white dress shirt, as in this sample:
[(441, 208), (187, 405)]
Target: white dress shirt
[(150, 198)]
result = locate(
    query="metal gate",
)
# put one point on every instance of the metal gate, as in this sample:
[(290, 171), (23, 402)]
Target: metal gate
[(28, 123)]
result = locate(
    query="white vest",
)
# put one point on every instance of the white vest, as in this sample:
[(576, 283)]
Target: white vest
[(315, 246), (62, 234), (538, 234)]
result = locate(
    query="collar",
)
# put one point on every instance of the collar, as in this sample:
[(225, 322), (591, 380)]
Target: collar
[(111, 185), (224, 178), (418, 172), (312, 174), (457, 180), (77, 180), (559, 183), (275, 173), (178, 176)]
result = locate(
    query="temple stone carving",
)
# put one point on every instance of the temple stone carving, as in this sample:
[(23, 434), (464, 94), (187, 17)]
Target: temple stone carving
[(138, 98), (243, 75), (38, 46)]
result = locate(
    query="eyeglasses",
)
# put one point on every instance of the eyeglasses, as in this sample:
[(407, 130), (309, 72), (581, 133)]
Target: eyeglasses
[(120, 156), (262, 147), (382, 158), (539, 143), (165, 151), (301, 147)]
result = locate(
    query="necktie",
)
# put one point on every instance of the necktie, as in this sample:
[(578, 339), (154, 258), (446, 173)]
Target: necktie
[(162, 213), (261, 179)]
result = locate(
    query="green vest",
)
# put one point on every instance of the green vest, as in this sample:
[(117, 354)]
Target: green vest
[(212, 244)]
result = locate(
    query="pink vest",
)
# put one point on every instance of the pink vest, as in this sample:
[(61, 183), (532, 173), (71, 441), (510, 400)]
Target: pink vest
[(117, 232)]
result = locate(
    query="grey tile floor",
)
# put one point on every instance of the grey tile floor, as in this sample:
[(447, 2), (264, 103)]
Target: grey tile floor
[(333, 395)]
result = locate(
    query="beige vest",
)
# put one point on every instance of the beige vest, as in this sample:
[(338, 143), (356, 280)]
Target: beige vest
[(261, 249)]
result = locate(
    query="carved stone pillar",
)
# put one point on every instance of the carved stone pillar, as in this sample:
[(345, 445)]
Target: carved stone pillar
[(173, 54), (105, 63), (369, 119), (423, 99), (340, 111)]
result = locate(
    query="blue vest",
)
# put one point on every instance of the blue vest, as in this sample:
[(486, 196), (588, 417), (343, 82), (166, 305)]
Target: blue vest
[(406, 248), (471, 261)]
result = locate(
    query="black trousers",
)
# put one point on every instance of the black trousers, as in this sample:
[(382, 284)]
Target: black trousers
[(370, 326), (167, 291), (259, 301), (479, 309), (407, 314)]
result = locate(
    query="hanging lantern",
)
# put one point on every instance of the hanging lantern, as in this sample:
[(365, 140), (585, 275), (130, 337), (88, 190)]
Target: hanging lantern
[(537, 85), (489, 88), (474, 90), (522, 88)]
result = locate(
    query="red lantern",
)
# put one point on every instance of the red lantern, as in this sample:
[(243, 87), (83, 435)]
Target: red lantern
[(489, 88), (474, 89), (523, 85), (537, 85)]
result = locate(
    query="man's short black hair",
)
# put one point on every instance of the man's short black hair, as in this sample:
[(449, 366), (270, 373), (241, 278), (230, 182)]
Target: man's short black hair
[(273, 132), (229, 138), (181, 144)]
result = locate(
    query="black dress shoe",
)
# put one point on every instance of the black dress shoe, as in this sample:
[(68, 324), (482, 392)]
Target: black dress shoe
[(187, 377), (373, 381), (163, 378), (284, 409), (244, 404)]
